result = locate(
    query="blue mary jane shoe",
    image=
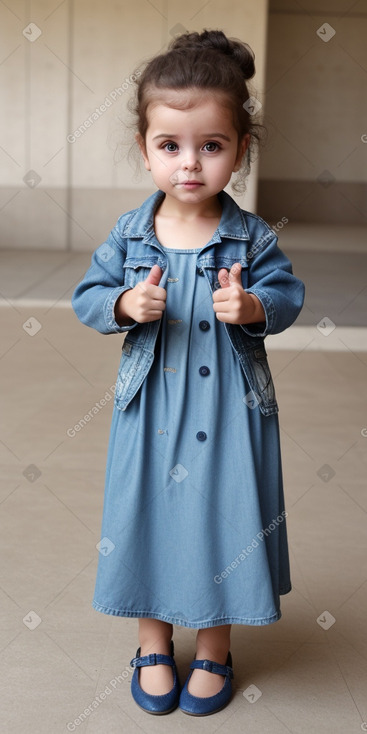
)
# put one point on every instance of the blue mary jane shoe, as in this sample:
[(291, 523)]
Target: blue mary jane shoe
[(200, 706), (155, 704)]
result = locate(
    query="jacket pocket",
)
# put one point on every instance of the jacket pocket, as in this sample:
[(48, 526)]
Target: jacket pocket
[(253, 360), (128, 369), (136, 360), (137, 269), (263, 379), (210, 266)]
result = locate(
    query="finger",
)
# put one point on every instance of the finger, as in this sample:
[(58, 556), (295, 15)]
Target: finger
[(156, 308), (235, 274), (157, 304), (154, 275), (222, 315), (155, 292), (221, 295), (223, 278), (224, 306), (149, 316), (153, 313)]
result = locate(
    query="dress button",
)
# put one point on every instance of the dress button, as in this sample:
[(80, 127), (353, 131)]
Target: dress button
[(204, 370), (204, 325), (201, 436)]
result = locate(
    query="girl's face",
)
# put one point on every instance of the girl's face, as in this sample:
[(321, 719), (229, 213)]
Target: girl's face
[(191, 153)]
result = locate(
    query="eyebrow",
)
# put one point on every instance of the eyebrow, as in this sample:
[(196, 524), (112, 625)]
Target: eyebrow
[(209, 135)]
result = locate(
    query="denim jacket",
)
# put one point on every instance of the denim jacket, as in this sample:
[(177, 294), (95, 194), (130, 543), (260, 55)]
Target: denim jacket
[(131, 250)]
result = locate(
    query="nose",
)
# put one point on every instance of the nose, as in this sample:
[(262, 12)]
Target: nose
[(191, 161)]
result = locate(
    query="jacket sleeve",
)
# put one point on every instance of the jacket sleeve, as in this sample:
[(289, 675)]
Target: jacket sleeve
[(271, 279), (94, 298)]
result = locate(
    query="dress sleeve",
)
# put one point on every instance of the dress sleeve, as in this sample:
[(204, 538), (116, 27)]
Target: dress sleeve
[(280, 292), (94, 298)]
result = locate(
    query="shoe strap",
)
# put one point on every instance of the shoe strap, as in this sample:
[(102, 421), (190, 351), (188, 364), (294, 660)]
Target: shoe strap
[(212, 667), (153, 659)]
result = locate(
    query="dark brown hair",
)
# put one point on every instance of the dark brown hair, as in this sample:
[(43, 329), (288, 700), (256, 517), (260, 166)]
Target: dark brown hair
[(207, 61)]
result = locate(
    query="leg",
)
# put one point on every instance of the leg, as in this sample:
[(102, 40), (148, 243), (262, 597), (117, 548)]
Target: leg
[(212, 643), (155, 636)]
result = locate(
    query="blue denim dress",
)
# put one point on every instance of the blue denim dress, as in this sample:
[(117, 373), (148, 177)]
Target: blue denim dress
[(193, 528)]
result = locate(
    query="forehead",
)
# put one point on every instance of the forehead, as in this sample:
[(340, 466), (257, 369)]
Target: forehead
[(195, 103)]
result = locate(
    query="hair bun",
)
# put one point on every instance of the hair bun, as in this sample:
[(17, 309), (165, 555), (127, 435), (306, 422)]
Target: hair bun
[(240, 52)]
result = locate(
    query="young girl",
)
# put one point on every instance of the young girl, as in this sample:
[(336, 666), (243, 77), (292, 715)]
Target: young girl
[(194, 530)]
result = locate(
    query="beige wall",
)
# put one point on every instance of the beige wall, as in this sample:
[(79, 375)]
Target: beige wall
[(52, 84), (316, 112)]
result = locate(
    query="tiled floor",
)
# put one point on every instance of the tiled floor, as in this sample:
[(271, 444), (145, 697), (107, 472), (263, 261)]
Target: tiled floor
[(53, 371)]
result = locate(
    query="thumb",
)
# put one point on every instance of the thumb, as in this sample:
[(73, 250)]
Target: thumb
[(223, 278), (235, 274), (154, 275)]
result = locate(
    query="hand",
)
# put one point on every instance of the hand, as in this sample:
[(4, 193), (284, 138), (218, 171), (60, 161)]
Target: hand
[(145, 302), (231, 303)]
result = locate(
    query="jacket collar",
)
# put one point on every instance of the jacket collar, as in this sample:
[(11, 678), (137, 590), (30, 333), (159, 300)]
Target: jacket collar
[(232, 223)]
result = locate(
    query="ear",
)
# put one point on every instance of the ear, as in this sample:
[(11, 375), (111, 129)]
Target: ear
[(241, 150), (141, 144)]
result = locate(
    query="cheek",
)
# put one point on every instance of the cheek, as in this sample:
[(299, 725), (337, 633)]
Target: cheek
[(159, 163), (222, 166)]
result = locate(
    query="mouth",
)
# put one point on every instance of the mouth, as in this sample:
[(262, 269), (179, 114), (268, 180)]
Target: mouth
[(192, 183)]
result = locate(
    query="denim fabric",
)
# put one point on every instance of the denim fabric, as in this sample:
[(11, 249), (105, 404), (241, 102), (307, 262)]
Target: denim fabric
[(193, 528), (132, 249)]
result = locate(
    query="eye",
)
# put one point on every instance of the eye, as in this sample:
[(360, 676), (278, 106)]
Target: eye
[(170, 147), (211, 147)]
